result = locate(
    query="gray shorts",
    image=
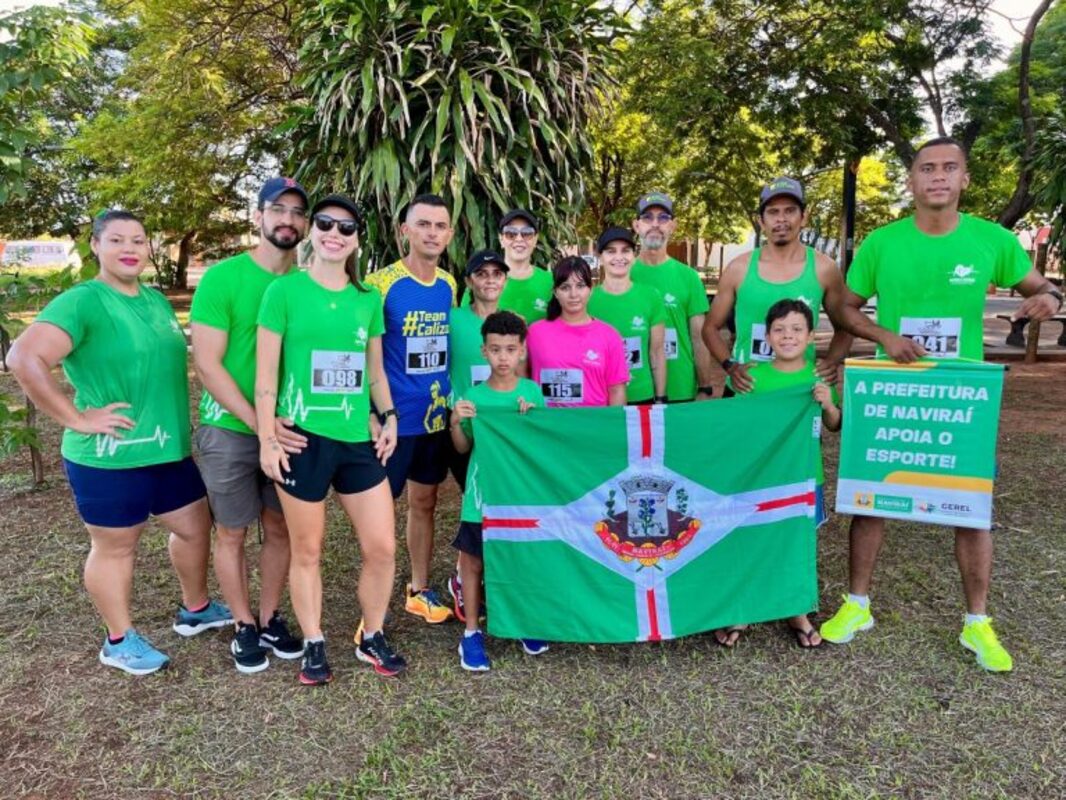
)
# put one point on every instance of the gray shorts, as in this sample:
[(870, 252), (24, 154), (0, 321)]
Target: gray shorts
[(237, 489)]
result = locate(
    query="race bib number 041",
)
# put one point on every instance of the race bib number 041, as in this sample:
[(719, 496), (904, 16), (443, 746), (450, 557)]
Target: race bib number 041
[(938, 335), (562, 385), (426, 354), (337, 372)]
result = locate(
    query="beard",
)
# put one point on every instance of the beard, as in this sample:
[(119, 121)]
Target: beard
[(282, 243), (653, 241)]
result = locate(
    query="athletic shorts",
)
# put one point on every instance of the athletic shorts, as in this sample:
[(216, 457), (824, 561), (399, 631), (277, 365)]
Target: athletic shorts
[(349, 467), (468, 539), (237, 488), (122, 498), (422, 458)]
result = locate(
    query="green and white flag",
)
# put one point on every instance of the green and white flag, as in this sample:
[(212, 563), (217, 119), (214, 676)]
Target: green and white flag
[(646, 523), (919, 440)]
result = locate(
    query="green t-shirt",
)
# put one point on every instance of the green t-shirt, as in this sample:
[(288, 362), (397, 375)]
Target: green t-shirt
[(684, 298), (484, 396), (633, 314), (467, 366), (323, 385), (228, 299), (125, 350), (932, 288), (767, 378), (527, 297), (755, 295)]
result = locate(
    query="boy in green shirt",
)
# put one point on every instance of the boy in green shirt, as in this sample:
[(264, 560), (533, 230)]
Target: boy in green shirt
[(790, 331), (504, 337)]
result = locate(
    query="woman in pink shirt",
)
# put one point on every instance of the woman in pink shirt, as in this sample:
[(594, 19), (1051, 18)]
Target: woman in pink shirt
[(575, 359)]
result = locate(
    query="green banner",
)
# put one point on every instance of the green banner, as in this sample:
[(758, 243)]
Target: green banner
[(647, 523), (919, 440)]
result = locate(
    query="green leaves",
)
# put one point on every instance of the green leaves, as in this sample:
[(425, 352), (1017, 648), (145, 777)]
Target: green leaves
[(487, 103)]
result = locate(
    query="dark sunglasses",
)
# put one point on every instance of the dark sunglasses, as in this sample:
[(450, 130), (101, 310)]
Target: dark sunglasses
[(345, 227)]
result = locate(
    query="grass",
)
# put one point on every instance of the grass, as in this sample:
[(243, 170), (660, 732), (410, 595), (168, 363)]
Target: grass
[(901, 712)]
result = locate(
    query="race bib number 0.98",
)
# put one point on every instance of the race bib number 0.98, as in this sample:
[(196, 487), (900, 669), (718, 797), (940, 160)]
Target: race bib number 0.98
[(426, 354), (337, 372), (938, 335), (562, 385)]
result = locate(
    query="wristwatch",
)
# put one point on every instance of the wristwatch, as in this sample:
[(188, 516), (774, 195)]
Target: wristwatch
[(384, 415), (707, 390), (1057, 295), (728, 364), (659, 399)]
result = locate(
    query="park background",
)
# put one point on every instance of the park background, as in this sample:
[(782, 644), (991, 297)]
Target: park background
[(178, 109)]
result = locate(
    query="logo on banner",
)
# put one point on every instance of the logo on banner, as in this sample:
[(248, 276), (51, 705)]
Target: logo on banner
[(647, 529)]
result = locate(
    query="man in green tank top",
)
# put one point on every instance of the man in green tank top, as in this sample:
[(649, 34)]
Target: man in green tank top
[(930, 272), (688, 365), (782, 270)]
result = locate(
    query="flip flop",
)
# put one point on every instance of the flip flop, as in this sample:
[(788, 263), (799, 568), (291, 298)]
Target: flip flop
[(803, 638), (732, 635)]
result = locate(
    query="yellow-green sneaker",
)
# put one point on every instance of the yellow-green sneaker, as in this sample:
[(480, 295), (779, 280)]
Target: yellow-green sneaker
[(849, 620), (979, 638)]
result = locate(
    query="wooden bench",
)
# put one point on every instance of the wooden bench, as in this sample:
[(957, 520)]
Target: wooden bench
[(1016, 337)]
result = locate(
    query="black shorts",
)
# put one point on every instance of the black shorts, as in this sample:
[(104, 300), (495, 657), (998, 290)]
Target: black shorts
[(122, 498), (422, 458), (468, 539), (349, 467)]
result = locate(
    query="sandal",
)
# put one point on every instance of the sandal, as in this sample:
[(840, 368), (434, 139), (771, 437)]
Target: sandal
[(805, 637), (728, 637)]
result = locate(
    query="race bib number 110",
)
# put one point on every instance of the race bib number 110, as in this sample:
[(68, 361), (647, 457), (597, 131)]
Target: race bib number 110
[(426, 354)]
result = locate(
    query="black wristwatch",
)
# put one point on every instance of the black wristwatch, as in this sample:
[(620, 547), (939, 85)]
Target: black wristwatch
[(728, 364), (384, 415), (707, 390), (659, 399), (1057, 295)]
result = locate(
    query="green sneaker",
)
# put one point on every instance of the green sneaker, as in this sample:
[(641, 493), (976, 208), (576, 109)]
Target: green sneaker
[(849, 620), (979, 638)]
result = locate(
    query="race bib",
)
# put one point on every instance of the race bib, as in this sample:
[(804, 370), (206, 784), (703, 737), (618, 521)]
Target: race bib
[(426, 354), (938, 335), (760, 348), (337, 372), (562, 385), (670, 344), (633, 352), (479, 373)]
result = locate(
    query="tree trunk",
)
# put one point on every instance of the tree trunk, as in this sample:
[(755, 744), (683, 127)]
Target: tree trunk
[(1022, 200), (36, 461), (181, 271), (1033, 342)]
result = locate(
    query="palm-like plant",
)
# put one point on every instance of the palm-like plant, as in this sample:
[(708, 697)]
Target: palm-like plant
[(485, 102)]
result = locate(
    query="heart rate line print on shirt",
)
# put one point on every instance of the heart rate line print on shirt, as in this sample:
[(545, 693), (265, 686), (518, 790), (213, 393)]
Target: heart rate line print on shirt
[(648, 523)]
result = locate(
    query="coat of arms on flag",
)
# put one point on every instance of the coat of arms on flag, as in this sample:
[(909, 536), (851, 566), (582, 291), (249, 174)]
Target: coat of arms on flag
[(647, 523)]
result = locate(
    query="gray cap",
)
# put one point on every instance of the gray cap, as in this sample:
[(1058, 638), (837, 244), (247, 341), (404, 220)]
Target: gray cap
[(646, 201), (782, 187)]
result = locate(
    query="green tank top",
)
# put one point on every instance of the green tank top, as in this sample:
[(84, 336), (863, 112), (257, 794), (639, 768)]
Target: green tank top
[(754, 298)]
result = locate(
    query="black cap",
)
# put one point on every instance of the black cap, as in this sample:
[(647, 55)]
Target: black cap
[(782, 187), (615, 235), (276, 187), (519, 213), (338, 201), (483, 257)]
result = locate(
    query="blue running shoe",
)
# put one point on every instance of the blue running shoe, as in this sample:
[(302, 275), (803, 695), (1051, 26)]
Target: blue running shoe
[(134, 654), (472, 655), (214, 615), (534, 647)]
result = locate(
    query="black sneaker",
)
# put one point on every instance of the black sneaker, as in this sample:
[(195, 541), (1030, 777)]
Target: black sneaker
[(314, 670), (275, 636), (248, 655), (377, 652)]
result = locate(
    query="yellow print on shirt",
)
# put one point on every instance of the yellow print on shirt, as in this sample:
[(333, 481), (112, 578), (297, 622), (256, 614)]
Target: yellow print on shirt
[(437, 411)]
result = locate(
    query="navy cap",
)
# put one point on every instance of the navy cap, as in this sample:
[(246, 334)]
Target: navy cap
[(782, 187), (338, 201), (276, 187), (484, 257), (519, 213), (651, 199), (615, 235)]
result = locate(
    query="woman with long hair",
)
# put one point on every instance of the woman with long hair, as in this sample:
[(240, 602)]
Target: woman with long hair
[(319, 364)]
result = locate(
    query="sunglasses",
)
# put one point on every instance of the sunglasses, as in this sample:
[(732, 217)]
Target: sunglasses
[(660, 218), (345, 227), (513, 232)]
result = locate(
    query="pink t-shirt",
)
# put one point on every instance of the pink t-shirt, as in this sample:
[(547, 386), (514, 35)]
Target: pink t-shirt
[(575, 365)]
